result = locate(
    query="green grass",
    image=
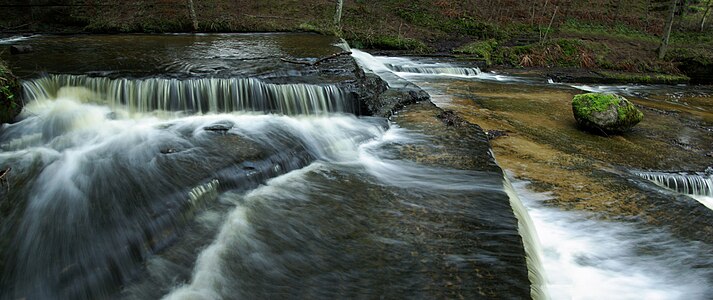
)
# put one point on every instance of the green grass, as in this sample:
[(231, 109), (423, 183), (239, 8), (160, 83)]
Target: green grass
[(469, 26), (617, 30), (390, 43)]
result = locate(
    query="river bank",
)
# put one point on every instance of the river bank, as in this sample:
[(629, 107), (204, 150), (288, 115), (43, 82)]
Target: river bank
[(578, 41)]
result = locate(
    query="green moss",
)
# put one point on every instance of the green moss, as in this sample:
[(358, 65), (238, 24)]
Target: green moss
[(585, 104), (483, 49), (10, 104), (645, 78)]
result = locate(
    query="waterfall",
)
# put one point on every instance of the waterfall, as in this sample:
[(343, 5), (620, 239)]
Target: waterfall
[(434, 69), (531, 242), (204, 95), (107, 192), (699, 184)]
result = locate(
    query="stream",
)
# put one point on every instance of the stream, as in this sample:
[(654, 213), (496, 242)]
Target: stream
[(210, 167)]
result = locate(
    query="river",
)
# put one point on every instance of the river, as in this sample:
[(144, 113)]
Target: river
[(212, 167)]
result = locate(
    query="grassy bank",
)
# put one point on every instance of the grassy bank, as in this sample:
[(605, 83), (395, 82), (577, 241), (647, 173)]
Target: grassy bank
[(619, 36)]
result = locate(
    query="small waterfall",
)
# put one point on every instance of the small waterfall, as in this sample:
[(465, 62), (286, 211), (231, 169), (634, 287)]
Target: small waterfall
[(698, 184), (531, 242), (434, 69), (204, 95)]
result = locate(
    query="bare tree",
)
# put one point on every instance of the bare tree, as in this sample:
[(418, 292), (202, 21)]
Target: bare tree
[(338, 14), (667, 29), (192, 11), (705, 14)]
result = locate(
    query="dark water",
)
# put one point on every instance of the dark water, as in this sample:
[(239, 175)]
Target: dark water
[(178, 55), (115, 188)]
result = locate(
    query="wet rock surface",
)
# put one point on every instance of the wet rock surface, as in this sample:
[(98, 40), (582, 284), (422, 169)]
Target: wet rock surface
[(591, 172)]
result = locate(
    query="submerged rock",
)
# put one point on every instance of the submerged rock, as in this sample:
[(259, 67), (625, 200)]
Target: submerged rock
[(20, 49), (607, 113)]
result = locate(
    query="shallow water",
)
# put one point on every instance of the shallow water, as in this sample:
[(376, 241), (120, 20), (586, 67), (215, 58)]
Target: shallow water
[(109, 197), (585, 257), (118, 188)]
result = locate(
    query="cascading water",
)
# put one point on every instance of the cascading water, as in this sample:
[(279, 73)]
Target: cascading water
[(383, 66), (387, 67), (96, 191), (585, 258), (202, 95), (698, 185), (582, 258), (147, 188), (695, 184), (433, 69)]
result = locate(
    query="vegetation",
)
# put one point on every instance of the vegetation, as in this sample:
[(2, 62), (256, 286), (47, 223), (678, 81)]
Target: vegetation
[(10, 104), (483, 49), (598, 34), (645, 78)]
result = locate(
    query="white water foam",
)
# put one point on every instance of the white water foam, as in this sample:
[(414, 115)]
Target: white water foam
[(405, 67), (13, 39), (585, 258), (705, 200)]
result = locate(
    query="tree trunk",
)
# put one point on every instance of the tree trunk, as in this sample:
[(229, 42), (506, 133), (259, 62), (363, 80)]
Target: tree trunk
[(338, 14), (648, 10), (667, 30), (705, 15), (192, 11), (551, 20), (682, 14)]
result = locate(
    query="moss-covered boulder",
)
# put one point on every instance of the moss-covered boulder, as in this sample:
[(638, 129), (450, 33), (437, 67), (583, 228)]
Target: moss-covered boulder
[(606, 113), (10, 103)]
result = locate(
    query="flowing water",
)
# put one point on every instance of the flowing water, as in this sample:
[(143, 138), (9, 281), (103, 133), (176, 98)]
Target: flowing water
[(182, 168), (585, 258), (205, 167), (582, 257)]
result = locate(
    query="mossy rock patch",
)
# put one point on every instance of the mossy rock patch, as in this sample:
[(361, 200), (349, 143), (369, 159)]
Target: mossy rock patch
[(10, 103), (605, 113)]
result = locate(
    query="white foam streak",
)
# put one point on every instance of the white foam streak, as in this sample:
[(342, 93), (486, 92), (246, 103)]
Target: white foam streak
[(14, 39), (589, 259), (207, 281), (408, 68), (705, 200)]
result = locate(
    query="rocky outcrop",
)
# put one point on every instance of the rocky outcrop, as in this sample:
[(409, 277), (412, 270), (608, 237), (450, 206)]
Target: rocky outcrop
[(605, 113), (378, 99), (701, 72), (20, 49), (10, 103)]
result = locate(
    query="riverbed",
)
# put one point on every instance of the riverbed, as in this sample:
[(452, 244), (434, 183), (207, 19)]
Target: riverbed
[(267, 165)]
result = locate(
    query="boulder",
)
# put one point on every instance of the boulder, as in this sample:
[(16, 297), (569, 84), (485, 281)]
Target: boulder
[(605, 113), (20, 49)]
